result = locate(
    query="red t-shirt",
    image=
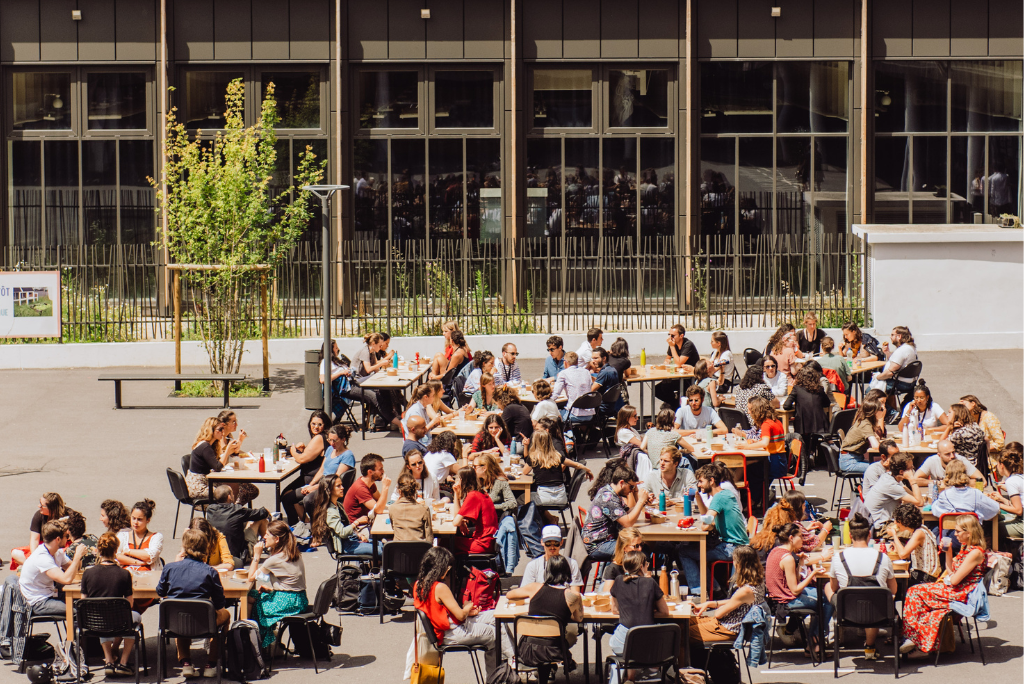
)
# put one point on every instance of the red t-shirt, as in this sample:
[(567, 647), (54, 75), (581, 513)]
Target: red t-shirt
[(357, 495), (772, 429), (479, 508)]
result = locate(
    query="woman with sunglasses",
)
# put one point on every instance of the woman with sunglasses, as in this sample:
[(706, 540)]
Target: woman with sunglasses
[(415, 467), (776, 381), (207, 457)]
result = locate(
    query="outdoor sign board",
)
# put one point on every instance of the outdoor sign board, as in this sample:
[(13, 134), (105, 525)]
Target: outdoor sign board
[(30, 304)]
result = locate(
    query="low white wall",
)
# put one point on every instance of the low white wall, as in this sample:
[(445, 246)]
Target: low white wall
[(956, 287)]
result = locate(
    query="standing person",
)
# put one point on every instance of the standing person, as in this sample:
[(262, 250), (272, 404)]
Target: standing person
[(607, 513), (365, 363), (410, 519), (923, 412), (555, 363), (889, 492), (810, 337), (723, 515), (192, 578), (505, 369), (363, 496), (636, 597), (107, 579), (492, 479), (309, 457), (721, 364), (867, 432), (575, 381), (140, 548), (516, 416), (595, 338), (1009, 492), (964, 432), (927, 604), (987, 420), (682, 354), (241, 526), (783, 579), (535, 570), (861, 566), (282, 588), (474, 506), (911, 539), (828, 360), (48, 566)]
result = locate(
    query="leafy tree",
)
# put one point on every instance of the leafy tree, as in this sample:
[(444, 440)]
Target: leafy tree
[(221, 212)]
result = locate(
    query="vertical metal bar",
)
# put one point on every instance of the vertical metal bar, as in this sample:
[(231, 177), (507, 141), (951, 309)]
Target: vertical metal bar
[(326, 258), (266, 335), (177, 328)]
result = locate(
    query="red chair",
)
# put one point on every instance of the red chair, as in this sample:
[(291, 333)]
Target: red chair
[(715, 564), (736, 460), (793, 468)]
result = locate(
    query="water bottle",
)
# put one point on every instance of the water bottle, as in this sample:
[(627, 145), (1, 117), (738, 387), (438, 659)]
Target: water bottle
[(709, 434), (643, 356), (933, 490), (687, 505), (661, 501), (673, 585), (514, 447), (394, 361)]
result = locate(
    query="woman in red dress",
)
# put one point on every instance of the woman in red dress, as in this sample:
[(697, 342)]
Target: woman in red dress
[(475, 506), (927, 604)]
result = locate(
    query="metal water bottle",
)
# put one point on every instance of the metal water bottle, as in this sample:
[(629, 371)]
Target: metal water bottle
[(661, 501), (687, 504), (673, 584), (643, 356), (394, 361)]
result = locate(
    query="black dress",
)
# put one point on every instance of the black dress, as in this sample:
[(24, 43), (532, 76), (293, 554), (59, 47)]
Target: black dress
[(810, 417), (537, 651)]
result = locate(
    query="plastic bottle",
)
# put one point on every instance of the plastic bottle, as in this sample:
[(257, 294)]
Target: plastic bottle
[(933, 491), (673, 584), (906, 435), (709, 434), (687, 505), (663, 580), (661, 501), (417, 359), (263, 464)]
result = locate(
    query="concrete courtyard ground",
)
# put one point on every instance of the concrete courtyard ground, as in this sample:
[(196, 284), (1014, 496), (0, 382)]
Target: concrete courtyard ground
[(59, 432)]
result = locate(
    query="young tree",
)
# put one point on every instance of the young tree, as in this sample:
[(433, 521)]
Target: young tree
[(221, 212)]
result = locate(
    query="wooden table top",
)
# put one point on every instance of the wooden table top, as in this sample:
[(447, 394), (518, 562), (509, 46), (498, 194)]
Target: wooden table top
[(701, 453), (504, 611), (462, 428), (248, 471), (645, 374), (667, 531), (382, 525), (868, 367), (144, 585), (407, 375), (521, 482)]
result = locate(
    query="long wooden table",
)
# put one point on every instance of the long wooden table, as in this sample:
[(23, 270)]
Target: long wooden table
[(785, 415), (669, 532), (860, 375), (461, 428), (144, 587), (648, 374), (247, 470), (753, 455), (408, 374)]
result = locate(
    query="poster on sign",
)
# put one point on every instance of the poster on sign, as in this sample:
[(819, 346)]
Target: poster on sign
[(30, 304)]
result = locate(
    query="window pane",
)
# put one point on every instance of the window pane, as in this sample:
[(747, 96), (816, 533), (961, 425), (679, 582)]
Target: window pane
[(582, 191), (409, 209), (910, 96), (204, 97), (619, 186), (793, 185), (370, 189), (138, 197), (446, 188), (563, 98), (639, 98), (117, 101), (26, 190), (657, 186), (319, 148), (830, 184), (813, 97), (389, 99), (966, 177), (483, 189), (464, 99), (717, 186), (892, 171), (543, 187), (297, 95), (1004, 176), (99, 191), (986, 96), (41, 101), (755, 186), (736, 97), (60, 175), (930, 187)]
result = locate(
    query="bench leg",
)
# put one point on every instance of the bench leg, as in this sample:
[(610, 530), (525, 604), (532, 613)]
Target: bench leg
[(227, 392), (117, 394)]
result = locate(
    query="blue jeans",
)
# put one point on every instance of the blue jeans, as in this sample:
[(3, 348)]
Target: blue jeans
[(849, 463), (508, 543), (604, 551), (689, 558), (50, 607), (809, 599), (353, 546)]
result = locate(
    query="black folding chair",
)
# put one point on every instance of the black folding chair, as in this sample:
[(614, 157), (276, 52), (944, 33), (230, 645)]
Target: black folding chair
[(474, 651), (751, 356), (186, 461), (866, 608), (400, 559), (186, 619), (650, 646), (909, 374), (586, 428), (842, 477), (179, 488), (728, 646), (310, 619), (108, 618), (733, 417), (781, 611), (605, 415)]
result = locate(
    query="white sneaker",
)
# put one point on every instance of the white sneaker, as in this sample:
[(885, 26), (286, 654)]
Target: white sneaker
[(907, 646), (210, 672), (301, 530)]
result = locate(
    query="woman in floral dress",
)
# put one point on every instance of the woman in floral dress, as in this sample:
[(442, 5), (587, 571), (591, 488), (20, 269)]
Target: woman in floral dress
[(927, 604)]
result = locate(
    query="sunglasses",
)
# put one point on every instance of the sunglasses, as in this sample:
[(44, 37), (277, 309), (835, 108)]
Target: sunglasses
[(767, 366), (512, 353), (551, 349), (552, 544)]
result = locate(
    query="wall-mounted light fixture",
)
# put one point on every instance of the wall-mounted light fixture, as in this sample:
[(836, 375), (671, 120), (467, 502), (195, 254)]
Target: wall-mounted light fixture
[(76, 15), (776, 12), (424, 14)]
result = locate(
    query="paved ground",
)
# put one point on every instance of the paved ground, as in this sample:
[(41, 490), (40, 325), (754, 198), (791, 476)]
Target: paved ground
[(60, 433)]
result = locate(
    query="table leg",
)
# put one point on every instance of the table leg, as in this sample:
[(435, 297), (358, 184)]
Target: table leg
[(243, 607), (784, 417), (69, 626), (598, 661), (526, 496), (586, 653), (277, 496), (642, 423), (683, 659), (822, 627), (704, 569), (497, 642), (766, 485), (995, 532)]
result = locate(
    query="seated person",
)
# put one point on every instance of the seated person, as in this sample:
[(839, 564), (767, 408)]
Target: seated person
[(551, 598), (516, 416), (442, 456), (625, 427), (671, 476), (107, 579), (207, 457), (281, 591), (574, 381), (605, 377), (493, 438), (923, 412), (828, 360), (861, 566), (422, 397), (722, 514), (341, 374), (48, 566), (192, 578), (426, 487), (555, 363), (636, 597), (363, 497), (545, 404), (348, 536), (629, 539), (663, 435), (241, 526), (889, 492), (886, 449), (911, 539), (506, 369), (76, 528), (51, 507), (416, 436), (708, 383), (867, 432), (140, 548), (957, 496), (934, 467), (337, 459), (783, 578), (483, 397), (474, 508), (608, 514), (410, 520), (309, 457), (548, 466), (218, 554), (748, 591), (1009, 491), (483, 362), (551, 537), (695, 416)]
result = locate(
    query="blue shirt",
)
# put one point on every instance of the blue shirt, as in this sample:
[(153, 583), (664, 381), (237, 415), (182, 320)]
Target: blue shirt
[(332, 463), (551, 367), (688, 421), (420, 446), (606, 377), (191, 579)]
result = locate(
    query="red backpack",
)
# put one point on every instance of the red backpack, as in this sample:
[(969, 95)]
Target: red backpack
[(482, 588)]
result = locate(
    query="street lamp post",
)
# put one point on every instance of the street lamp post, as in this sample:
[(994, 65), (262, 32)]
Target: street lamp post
[(325, 192)]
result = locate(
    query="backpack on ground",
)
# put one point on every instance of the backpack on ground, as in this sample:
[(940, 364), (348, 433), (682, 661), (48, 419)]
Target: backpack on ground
[(482, 588), (503, 674), (243, 660), (346, 595), (321, 634)]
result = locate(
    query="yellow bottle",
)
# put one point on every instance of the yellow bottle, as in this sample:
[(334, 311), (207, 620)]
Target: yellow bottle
[(643, 357)]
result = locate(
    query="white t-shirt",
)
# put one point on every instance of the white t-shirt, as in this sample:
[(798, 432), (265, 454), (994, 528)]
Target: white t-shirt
[(585, 352), (904, 355), (883, 498), (625, 434), (727, 486), (871, 476), (334, 367), (933, 468), (473, 381), (428, 484), (930, 418), (686, 420), (438, 464), (1014, 486), (415, 409), (545, 409), (724, 364), (861, 562), (35, 585), (535, 572), (778, 385)]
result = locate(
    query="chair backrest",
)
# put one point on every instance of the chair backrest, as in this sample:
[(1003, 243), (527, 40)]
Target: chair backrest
[(178, 486), (732, 460), (102, 616), (186, 461), (537, 626), (864, 607), (404, 557), (752, 526), (590, 400), (751, 356), (947, 521), (796, 447), (325, 596), (581, 516), (576, 484), (843, 420), (612, 394), (733, 417), (840, 399), (651, 645), (190, 618), (347, 478), (427, 627), (446, 381), (911, 372)]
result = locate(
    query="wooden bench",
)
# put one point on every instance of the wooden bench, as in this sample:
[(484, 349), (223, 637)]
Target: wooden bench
[(226, 378)]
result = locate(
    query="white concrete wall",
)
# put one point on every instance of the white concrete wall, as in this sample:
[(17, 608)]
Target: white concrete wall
[(955, 287)]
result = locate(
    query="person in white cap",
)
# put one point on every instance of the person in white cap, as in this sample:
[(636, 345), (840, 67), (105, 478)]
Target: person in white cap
[(551, 536)]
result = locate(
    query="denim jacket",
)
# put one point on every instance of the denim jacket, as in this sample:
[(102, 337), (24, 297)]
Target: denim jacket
[(976, 606), (757, 617)]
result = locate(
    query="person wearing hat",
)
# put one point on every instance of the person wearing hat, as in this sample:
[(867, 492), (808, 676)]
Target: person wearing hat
[(551, 536)]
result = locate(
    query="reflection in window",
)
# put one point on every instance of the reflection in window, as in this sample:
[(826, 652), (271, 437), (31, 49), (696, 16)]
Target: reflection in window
[(543, 187), (736, 97), (298, 97), (813, 97), (483, 189), (657, 186), (116, 101), (464, 99), (830, 184), (1004, 160), (967, 177), (986, 96), (717, 186), (445, 180), (755, 189), (563, 98), (929, 197), (205, 92), (389, 99), (99, 191), (42, 101), (892, 164), (138, 197), (60, 176), (910, 96), (408, 189), (26, 192), (318, 146), (793, 180), (638, 98), (619, 186), (370, 189), (582, 195)]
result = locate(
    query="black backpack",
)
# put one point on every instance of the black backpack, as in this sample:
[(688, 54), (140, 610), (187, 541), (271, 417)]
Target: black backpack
[(320, 632), (346, 594), (243, 660), (858, 580)]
